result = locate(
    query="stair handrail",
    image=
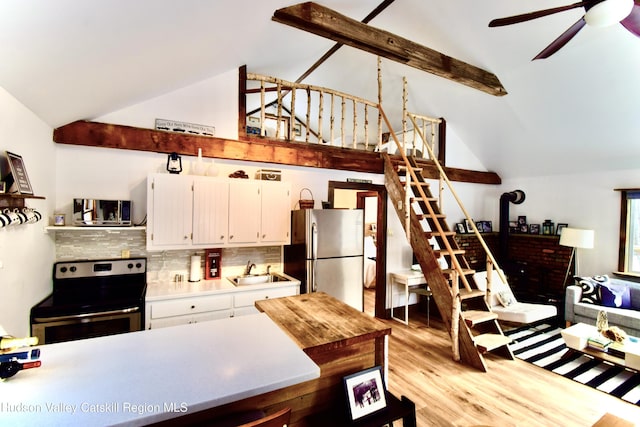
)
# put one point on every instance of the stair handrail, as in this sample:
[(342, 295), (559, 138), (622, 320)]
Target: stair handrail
[(410, 170), (443, 175)]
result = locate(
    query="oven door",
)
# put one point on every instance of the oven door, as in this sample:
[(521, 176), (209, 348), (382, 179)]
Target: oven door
[(74, 327)]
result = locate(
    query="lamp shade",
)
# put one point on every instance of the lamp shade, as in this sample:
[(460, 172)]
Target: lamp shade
[(576, 238), (608, 12)]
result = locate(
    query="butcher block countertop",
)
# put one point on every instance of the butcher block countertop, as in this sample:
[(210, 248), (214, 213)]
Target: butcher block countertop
[(320, 323)]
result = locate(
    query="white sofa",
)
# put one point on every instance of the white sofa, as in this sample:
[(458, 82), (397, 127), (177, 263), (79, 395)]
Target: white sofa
[(578, 310), (507, 307)]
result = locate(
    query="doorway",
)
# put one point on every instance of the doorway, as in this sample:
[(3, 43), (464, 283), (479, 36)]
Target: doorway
[(364, 192)]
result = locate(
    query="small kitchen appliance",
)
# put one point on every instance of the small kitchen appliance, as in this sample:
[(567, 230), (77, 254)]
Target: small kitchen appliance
[(92, 298), (100, 212)]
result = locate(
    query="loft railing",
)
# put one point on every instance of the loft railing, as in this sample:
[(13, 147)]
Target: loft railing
[(312, 114), (317, 115)]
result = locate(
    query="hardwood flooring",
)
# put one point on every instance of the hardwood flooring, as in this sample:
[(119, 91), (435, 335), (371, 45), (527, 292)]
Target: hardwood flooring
[(511, 393)]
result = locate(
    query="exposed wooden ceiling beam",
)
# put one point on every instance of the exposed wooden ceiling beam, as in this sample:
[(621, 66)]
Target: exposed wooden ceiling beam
[(330, 24), (252, 149)]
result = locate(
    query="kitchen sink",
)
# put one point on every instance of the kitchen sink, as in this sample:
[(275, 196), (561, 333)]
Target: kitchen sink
[(256, 279)]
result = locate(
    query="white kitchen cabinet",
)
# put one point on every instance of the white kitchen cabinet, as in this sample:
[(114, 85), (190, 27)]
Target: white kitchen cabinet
[(244, 302), (275, 218), (210, 211), (169, 211), (244, 211), (186, 211), (181, 311)]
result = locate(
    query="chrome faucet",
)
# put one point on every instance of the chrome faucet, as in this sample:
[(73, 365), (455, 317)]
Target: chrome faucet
[(247, 271)]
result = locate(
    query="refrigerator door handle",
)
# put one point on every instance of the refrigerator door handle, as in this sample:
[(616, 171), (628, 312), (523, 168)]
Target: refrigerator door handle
[(314, 249), (314, 240), (314, 285)]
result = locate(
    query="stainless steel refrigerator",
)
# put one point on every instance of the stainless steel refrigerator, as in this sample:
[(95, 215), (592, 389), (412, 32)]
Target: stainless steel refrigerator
[(327, 252)]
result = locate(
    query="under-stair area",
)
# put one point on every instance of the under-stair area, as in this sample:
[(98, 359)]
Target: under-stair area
[(473, 327)]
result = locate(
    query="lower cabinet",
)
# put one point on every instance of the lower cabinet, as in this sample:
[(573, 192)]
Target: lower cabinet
[(244, 302), (202, 308)]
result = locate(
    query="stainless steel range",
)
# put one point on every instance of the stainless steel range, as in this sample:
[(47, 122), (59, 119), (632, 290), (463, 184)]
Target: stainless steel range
[(92, 298)]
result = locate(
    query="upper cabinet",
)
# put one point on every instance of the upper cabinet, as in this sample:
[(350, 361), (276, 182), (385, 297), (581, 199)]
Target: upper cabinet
[(186, 211), (244, 211), (169, 211), (275, 205), (210, 211)]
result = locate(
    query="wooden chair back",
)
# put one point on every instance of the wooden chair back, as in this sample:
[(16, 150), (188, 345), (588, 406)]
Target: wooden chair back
[(277, 419)]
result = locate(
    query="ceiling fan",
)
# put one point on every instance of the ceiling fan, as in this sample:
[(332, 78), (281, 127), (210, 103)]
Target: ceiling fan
[(598, 13)]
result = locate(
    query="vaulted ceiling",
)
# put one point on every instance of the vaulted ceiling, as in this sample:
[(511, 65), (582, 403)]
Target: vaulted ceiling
[(577, 110)]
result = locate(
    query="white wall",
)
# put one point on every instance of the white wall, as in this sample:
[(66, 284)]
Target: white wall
[(585, 200), (26, 252)]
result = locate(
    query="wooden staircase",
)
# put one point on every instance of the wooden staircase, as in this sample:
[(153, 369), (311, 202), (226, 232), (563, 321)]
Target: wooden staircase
[(473, 327)]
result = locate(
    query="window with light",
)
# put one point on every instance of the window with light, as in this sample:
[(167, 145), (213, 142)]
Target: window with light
[(629, 258)]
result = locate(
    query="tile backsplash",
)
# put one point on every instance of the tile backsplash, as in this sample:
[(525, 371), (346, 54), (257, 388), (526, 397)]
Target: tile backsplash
[(161, 265)]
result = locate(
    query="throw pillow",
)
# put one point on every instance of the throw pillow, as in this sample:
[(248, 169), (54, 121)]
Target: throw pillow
[(615, 295), (590, 291), (505, 298)]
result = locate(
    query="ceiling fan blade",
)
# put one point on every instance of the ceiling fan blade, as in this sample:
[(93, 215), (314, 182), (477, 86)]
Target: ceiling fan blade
[(562, 40), (534, 15), (632, 22)]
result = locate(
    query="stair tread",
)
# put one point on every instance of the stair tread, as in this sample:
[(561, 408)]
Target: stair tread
[(468, 294), (489, 342), (475, 317), (441, 252), (465, 271), (444, 233)]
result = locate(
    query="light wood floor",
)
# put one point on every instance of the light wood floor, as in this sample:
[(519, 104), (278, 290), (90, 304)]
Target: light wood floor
[(511, 393)]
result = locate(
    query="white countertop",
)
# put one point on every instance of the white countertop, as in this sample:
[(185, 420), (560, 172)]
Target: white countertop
[(137, 378), (163, 290)]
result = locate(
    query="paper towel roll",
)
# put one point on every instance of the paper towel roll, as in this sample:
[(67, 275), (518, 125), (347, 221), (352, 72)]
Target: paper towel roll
[(194, 271)]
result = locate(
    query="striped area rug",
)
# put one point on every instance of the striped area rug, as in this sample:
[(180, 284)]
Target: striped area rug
[(543, 346)]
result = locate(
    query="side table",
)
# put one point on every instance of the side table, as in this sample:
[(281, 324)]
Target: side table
[(413, 282)]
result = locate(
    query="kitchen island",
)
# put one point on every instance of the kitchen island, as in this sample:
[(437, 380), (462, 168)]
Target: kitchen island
[(339, 338), (153, 376)]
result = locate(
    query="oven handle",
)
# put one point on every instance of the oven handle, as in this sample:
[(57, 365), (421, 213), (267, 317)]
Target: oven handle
[(81, 316)]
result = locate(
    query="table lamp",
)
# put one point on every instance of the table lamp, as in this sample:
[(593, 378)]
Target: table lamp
[(575, 238)]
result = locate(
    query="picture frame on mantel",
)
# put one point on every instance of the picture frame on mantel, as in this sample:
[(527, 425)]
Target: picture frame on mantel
[(560, 226), (18, 174)]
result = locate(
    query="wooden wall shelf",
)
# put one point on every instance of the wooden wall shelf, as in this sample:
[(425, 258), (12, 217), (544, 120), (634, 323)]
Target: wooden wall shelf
[(54, 228), (12, 201)]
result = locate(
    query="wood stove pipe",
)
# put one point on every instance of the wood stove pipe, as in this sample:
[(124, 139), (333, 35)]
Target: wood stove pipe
[(516, 197)]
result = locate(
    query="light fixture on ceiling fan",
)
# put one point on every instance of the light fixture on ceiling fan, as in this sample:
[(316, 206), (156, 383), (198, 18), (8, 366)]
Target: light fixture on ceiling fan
[(598, 13)]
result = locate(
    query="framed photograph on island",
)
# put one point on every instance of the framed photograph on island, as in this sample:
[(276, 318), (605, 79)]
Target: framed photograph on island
[(365, 392)]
